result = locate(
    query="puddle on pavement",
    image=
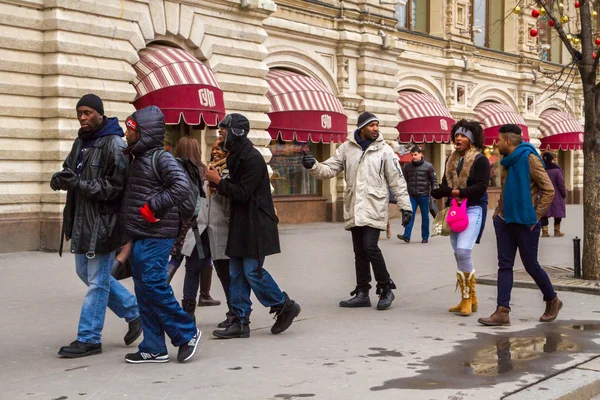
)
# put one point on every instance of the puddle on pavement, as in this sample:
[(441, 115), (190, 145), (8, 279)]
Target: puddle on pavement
[(490, 359)]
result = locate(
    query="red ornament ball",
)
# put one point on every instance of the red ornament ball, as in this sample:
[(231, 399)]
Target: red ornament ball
[(535, 13), (577, 4), (551, 23), (533, 32), (597, 42)]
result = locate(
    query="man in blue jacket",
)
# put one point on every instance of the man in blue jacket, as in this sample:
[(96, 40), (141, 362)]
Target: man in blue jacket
[(94, 176)]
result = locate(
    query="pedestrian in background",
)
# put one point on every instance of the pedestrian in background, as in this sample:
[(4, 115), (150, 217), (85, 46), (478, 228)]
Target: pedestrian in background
[(466, 178), (153, 195), (558, 208), (253, 232), (420, 180), (370, 167), (94, 175), (526, 196)]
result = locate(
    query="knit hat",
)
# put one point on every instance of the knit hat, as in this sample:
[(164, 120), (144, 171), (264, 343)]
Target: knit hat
[(365, 119), (91, 101)]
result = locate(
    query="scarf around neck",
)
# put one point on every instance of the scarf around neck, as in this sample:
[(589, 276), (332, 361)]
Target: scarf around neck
[(453, 178)]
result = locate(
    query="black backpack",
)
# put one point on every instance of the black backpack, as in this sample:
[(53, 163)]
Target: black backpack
[(190, 207)]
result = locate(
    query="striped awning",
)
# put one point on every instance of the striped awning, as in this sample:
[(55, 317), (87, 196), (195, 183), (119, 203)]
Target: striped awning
[(423, 119), (493, 115), (178, 84), (304, 109), (560, 131)]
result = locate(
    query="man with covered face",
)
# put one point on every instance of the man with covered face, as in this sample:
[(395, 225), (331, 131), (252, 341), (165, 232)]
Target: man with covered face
[(370, 167), (253, 232)]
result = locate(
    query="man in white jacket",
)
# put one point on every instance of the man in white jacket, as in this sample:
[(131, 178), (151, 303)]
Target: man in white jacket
[(370, 167)]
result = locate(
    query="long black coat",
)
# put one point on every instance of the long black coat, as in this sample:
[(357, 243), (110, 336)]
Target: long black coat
[(91, 213), (143, 186), (253, 229)]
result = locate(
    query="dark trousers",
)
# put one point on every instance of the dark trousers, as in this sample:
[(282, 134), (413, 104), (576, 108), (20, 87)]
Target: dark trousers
[(366, 254), (193, 267), (222, 268), (546, 221), (159, 311), (509, 238)]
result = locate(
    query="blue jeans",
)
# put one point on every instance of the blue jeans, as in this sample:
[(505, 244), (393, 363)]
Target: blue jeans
[(159, 310), (423, 203), (463, 242), (509, 238), (245, 276), (103, 290)]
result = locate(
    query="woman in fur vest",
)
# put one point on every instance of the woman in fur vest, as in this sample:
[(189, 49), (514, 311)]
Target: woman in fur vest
[(466, 178)]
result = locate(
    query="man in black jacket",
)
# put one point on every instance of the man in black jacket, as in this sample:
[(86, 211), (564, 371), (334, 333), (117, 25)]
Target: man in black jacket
[(150, 208), (253, 231), (421, 180), (94, 175)]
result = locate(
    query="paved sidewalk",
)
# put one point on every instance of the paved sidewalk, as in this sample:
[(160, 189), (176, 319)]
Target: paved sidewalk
[(415, 350)]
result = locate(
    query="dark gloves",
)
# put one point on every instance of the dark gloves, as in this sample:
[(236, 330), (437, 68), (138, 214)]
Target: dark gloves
[(55, 182), (308, 161), (64, 180), (148, 214), (406, 217), (442, 191)]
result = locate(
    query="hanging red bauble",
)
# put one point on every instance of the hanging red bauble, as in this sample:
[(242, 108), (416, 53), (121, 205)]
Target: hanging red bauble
[(597, 42), (577, 4), (535, 13), (551, 23), (533, 32)]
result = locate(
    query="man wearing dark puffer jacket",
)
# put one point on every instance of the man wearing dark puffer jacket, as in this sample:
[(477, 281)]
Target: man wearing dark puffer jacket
[(151, 215), (421, 180)]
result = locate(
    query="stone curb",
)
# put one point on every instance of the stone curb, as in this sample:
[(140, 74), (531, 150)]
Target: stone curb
[(581, 382), (531, 285)]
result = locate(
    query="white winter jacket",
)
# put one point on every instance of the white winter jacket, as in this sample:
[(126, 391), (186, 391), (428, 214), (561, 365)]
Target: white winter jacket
[(368, 175)]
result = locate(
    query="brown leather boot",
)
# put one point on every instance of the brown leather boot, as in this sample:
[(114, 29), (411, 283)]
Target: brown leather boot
[(557, 231), (545, 231), (552, 309), (465, 307), (500, 317), (205, 300)]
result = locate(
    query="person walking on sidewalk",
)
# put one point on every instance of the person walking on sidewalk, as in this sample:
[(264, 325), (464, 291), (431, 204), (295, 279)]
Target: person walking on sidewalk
[(558, 208), (421, 180), (466, 178), (94, 175), (369, 166), (526, 195), (152, 222), (253, 232)]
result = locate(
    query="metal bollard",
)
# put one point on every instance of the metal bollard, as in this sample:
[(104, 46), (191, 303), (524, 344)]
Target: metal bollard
[(577, 257)]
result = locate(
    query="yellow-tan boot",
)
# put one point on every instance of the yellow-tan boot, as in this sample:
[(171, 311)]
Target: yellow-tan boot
[(557, 231), (465, 307), (471, 282), (545, 231)]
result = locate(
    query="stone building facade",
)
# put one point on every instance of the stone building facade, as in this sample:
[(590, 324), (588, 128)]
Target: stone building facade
[(364, 52)]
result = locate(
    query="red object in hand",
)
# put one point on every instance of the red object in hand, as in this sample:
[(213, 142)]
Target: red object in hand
[(533, 32), (148, 214), (577, 4), (551, 23), (535, 13)]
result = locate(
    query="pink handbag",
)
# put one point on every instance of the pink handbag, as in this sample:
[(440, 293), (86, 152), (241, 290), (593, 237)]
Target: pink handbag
[(457, 217)]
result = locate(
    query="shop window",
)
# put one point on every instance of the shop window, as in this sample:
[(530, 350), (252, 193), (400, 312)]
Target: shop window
[(549, 40), (290, 178), (487, 22), (413, 15)]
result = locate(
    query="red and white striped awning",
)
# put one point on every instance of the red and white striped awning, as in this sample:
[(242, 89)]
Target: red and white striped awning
[(179, 84), (423, 119), (493, 115), (304, 109), (560, 131)]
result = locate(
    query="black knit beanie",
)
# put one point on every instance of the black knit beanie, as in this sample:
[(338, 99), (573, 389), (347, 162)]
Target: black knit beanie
[(365, 119), (91, 101)]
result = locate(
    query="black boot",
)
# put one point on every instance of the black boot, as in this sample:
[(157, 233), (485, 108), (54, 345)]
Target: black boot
[(284, 314), (237, 329), (134, 331), (79, 349), (230, 317), (189, 306), (386, 297), (360, 299)]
